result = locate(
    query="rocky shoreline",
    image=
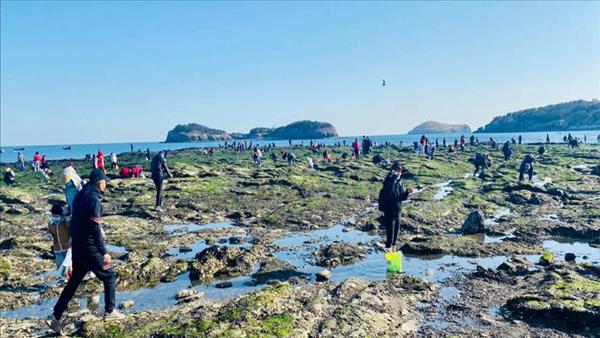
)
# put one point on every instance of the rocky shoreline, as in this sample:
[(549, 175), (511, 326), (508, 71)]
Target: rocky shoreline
[(245, 245)]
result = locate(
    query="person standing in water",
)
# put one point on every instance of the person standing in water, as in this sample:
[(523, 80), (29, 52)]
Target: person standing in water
[(88, 251), (391, 197), (159, 169)]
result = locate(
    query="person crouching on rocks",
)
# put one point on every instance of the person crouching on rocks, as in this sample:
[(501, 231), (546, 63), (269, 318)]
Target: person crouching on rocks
[(526, 167), (391, 197)]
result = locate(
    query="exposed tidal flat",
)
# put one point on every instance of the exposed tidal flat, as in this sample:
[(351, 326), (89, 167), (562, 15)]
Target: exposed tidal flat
[(270, 230)]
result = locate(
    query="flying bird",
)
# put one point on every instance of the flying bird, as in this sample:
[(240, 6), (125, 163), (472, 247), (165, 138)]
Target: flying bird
[(383, 83)]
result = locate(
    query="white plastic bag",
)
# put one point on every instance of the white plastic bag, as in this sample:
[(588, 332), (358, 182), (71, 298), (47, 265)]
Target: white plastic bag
[(64, 267)]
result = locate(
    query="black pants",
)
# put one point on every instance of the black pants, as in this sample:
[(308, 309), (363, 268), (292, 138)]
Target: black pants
[(392, 225), (529, 172), (80, 268), (158, 182)]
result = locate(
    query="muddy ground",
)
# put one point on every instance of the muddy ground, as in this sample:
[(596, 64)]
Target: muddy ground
[(273, 228)]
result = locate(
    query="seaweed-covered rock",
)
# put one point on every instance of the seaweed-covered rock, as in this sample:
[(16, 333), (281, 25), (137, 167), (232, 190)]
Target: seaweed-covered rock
[(274, 269), (339, 253)]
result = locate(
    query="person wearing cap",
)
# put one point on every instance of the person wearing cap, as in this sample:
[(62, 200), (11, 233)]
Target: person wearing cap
[(159, 169), (88, 251)]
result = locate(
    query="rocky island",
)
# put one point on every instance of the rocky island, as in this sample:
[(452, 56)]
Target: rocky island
[(297, 130), (434, 127), (574, 115)]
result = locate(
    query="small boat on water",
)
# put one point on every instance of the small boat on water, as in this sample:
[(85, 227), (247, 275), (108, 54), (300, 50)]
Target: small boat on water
[(67, 148), (18, 149)]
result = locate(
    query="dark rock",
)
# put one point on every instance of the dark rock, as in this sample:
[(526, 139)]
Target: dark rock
[(508, 267), (595, 243), (474, 223), (274, 269), (236, 240), (421, 249), (517, 198), (8, 244), (223, 285), (339, 253), (185, 248), (570, 257), (324, 275), (535, 200)]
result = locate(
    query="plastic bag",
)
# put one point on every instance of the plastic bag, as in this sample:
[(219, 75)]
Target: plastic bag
[(64, 267)]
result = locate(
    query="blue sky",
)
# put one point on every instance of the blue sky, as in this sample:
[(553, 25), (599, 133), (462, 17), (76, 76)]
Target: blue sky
[(88, 72)]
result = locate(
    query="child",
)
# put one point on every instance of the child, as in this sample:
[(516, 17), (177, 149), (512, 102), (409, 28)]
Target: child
[(59, 229)]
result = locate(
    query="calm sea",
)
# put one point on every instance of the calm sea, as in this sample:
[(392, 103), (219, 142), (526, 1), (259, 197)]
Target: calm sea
[(78, 151)]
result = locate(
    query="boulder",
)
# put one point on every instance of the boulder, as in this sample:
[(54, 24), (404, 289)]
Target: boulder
[(236, 240), (274, 269), (8, 244), (126, 304), (324, 275), (185, 293), (339, 253), (185, 248), (570, 257), (474, 223)]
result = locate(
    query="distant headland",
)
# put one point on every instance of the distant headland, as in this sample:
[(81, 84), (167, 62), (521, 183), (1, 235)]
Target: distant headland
[(574, 115)]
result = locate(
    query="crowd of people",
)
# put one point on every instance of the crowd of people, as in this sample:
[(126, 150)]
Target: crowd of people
[(76, 227)]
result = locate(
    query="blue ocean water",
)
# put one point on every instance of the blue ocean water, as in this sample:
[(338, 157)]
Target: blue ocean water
[(78, 151)]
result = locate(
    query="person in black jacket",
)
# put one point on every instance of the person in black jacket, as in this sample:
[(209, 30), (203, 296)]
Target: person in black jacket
[(391, 196), (88, 250), (526, 167), (159, 169)]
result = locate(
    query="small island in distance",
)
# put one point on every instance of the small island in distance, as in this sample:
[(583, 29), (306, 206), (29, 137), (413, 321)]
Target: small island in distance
[(194, 132), (434, 127)]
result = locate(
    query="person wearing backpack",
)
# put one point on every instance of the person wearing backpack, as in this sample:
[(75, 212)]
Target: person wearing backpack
[(390, 202)]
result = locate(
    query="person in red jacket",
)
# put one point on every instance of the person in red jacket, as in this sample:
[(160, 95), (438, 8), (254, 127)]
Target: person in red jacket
[(100, 160), (37, 159), (125, 172), (137, 171)]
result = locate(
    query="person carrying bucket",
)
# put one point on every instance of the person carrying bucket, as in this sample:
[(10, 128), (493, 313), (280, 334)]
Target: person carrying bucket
[(390, 202)]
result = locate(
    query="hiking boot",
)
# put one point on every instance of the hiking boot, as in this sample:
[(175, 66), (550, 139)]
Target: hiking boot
[(55, 324), (159, 209), (113, 315)]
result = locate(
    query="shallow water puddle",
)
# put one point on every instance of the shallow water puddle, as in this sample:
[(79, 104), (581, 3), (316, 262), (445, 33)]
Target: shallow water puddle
[(116, 249), (539, 183), (559, 246), (497, 216), (444, 190), (298, 250), (160, 296)]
